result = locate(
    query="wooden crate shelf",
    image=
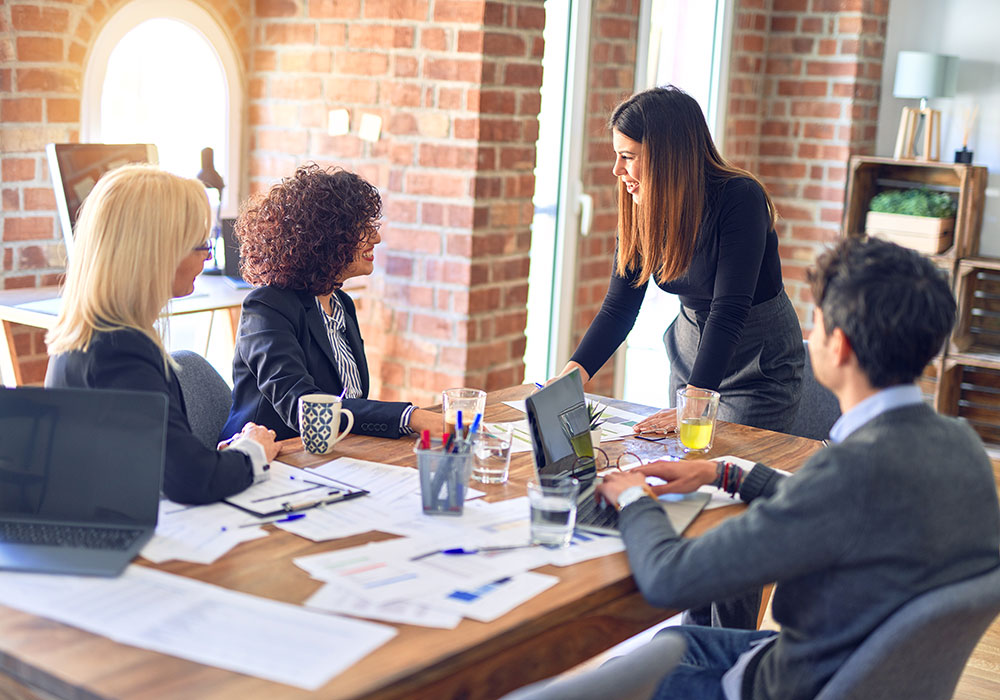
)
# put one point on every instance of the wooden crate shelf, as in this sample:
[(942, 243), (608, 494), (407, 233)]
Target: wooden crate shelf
[(963, 380)]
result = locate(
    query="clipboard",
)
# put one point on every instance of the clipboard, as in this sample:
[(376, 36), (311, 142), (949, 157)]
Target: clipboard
[(290, 490)]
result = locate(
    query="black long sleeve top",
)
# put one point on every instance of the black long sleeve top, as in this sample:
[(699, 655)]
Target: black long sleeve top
[(128, 359), (735, 266)]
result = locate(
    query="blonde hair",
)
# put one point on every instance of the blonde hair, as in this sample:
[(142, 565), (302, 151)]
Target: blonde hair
[(135, 227)]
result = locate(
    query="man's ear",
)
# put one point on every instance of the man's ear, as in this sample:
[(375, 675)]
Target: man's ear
[(840, 347)]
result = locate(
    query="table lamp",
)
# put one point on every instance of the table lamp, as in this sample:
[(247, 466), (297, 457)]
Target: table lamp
[(212, 180), (921, 75)]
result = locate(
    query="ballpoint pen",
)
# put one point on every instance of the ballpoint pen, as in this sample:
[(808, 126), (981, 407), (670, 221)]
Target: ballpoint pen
[(293, 507), (472, 550), (540, 386), (285, 519)]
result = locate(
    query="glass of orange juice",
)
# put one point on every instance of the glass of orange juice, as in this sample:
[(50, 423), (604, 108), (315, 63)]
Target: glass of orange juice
[(696, 409)]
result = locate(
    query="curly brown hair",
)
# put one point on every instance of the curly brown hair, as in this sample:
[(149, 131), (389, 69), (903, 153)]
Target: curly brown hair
[(307, 229)]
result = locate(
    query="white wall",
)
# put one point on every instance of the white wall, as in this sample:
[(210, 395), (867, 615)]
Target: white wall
[(967, 29)]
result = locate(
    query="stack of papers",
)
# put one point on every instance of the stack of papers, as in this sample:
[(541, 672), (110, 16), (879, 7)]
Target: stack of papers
[(200, 534)]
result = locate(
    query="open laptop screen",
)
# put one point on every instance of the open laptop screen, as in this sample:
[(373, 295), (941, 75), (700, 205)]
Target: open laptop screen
[(81, 456), (553, 414)]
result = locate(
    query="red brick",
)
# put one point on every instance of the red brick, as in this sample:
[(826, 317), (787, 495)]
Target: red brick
[(17, 169), (464, 11), (615, 28), (816, 109), (361, 63), (309, 61), (58, 110), (447, 156), (334, 9), (790, 6), (831, 68), (436, 184), (42, 19), (48, 80), (11, 199), (802, 88), (504, 44), (25, 109), (332, 34), (276, 8), (405, 66), (282, 141), (784, 23), (28, 228), (434, 39), (39, 199), (848, 24), (471, 40), (289, 33), (359, 91), (452, 69), (37, 49), (526, 74), (397, 9), (530, 18), (784, 66)]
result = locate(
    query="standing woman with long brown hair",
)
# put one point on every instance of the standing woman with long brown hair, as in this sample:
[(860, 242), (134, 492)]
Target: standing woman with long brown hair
[(704, 230)]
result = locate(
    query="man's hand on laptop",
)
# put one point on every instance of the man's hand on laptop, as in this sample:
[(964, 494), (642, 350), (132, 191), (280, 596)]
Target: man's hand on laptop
[(680, 477)]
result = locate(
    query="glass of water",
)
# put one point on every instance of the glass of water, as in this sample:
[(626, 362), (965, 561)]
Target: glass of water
[(491, 454), (553, 509)]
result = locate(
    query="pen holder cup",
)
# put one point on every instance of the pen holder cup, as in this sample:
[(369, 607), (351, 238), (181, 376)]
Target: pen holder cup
[(444, 478)]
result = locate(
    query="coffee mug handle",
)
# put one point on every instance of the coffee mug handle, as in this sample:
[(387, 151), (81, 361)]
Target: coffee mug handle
[(350, 424)]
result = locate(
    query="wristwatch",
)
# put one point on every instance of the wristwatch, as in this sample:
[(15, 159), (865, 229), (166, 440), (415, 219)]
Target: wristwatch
[(631, 495)]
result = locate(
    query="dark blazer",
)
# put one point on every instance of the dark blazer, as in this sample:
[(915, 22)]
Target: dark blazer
[(283, 352), (128, 359)]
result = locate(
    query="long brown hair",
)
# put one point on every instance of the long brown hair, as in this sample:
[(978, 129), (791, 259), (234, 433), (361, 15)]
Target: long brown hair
[(658, 235)]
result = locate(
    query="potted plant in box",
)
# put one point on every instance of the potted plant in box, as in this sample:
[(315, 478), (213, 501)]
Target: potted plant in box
[(594, 412), (918, 218)]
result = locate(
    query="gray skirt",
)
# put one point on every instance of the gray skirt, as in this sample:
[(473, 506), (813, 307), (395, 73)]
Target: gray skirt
[(764, 380)]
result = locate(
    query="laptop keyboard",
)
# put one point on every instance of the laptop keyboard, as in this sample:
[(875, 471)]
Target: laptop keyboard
[(589, 512), (68, 535)]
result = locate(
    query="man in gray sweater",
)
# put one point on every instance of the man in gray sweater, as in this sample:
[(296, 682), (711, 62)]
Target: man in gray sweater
[(901, 502)]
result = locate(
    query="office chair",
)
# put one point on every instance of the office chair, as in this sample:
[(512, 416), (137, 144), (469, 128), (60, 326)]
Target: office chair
[(922, 648), (633, 676), (207, 397), (818, 407)]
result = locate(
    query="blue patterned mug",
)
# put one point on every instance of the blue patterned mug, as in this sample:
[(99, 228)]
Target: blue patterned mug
[(319, 422)]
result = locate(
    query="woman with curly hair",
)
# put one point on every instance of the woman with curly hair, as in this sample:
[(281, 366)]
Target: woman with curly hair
[(299, 331)]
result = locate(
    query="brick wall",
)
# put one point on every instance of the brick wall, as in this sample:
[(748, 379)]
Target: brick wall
[(804, 86), (456, 85), (614, 30), (43, 50)]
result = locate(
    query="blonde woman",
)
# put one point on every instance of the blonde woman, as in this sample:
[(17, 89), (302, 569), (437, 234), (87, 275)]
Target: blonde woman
[(141, 240)]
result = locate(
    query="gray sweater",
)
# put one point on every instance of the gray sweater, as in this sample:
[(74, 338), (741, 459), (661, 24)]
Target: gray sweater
[(905, 504)]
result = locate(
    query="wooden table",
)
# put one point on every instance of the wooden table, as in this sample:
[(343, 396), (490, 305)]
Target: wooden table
[(595, 606), (211, 293)]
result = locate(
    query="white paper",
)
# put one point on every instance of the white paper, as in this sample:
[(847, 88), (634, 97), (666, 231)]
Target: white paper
[(585, 546), (491, 600), (339, 599), (200, 534), (202, 623), (519, 405), (520, 438)]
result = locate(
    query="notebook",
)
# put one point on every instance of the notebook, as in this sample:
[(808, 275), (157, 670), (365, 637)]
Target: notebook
[(558, 412), (80, 474)]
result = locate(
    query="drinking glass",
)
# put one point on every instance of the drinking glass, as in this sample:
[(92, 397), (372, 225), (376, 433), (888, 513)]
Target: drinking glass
[(491, 454), (552, 500), (696, 409), (468, 401)]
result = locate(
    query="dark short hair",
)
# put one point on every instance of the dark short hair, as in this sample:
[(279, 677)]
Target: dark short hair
[(306, 230), (894, 306)]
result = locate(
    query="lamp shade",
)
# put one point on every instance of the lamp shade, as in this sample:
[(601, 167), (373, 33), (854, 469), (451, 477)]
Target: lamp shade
[(920, 74)]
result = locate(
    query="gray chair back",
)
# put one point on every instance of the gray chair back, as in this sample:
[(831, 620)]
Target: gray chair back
[(818, 408), (207, 397), (922, 648), (633, 676)]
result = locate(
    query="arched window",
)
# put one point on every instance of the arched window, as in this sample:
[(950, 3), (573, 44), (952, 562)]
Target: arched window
[(165, 72)]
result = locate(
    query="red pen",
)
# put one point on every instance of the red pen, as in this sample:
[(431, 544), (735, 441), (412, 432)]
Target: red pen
[(425, 440)]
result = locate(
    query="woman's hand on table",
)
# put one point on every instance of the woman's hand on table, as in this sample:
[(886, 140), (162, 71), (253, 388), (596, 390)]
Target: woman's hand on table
[(664, 422), (259, 434)]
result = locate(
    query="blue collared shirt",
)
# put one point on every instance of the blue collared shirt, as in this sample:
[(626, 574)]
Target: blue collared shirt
[(875, 405)]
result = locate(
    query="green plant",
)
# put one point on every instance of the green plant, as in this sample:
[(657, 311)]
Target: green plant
[(595, 415), (915, 202)]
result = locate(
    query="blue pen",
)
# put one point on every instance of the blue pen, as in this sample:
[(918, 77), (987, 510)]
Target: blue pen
[(286, 519), (540, 386)]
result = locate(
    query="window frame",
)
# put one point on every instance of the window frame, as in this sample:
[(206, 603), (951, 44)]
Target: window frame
[(128, 18)]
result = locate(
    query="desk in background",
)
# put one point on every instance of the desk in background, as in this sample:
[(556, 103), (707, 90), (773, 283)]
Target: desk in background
[(38, 308), (595, 606)]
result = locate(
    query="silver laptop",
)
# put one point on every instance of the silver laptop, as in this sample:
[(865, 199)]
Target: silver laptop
[(80, 474), (556, 415)]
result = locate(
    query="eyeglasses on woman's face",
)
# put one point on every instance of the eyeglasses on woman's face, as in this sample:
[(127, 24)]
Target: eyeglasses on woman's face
[(203, 248)]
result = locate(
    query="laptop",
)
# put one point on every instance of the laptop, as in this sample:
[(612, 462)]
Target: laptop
[(558, 419), (231, 256), (80, 474)]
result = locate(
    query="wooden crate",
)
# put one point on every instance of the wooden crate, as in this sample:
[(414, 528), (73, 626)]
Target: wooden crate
[(869, 175), (978, 400), (976, 338)]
